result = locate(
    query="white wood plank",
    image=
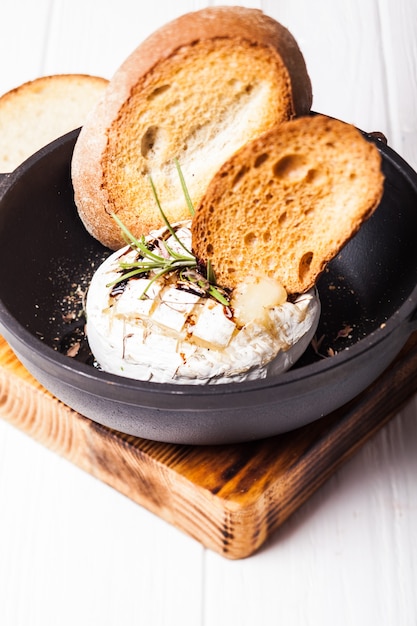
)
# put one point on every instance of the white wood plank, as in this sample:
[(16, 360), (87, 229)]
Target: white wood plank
[(74, 551), (95, 37), (23, 28), (250, 4), (341, 43), (399, 39)]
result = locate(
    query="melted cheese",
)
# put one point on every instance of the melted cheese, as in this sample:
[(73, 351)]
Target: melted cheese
[(172, 335)]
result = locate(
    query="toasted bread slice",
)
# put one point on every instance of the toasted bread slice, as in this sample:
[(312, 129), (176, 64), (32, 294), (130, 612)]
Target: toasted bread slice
[(286, 203), (196, 90), (42, 110)]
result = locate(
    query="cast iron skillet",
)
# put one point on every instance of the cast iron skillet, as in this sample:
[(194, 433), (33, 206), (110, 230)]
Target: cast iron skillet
[(368, 293)]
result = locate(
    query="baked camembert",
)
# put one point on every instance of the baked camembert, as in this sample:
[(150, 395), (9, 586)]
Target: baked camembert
[(176, 327)]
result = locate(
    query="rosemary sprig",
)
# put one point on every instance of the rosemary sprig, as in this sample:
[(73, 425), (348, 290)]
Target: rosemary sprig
[(195, 277), (164, 217), (217, 295), (148, 260), (185, 189), (186, 265)]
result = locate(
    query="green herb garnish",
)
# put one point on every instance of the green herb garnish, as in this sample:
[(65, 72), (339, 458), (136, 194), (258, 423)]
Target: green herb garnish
[(185, 189), (157, 258)]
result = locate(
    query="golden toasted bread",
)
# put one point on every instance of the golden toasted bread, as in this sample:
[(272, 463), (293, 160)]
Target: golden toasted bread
[(287, 202), (196, 90), (42, 110)]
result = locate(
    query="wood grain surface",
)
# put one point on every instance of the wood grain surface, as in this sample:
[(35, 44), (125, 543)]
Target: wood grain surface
[(229, 498)]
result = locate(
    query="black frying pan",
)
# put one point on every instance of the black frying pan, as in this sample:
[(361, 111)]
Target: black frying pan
[(368, 296)]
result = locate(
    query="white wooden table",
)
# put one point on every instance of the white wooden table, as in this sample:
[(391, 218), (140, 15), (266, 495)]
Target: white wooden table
[(75, 552)]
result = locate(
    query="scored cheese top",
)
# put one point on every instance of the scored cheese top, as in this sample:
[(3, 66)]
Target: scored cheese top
[(173, 335)]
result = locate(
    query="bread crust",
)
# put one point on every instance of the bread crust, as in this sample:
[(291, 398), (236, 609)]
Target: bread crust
[(53, 81), (285, 204), (40, 110), (229, 23)]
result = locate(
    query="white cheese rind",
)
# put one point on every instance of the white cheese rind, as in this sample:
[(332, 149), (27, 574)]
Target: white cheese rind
[(177, 337)]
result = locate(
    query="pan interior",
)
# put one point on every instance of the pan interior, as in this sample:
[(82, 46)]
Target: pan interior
[(47, 259)]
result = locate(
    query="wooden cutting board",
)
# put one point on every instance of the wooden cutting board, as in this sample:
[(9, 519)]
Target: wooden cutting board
[(230, 498)]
